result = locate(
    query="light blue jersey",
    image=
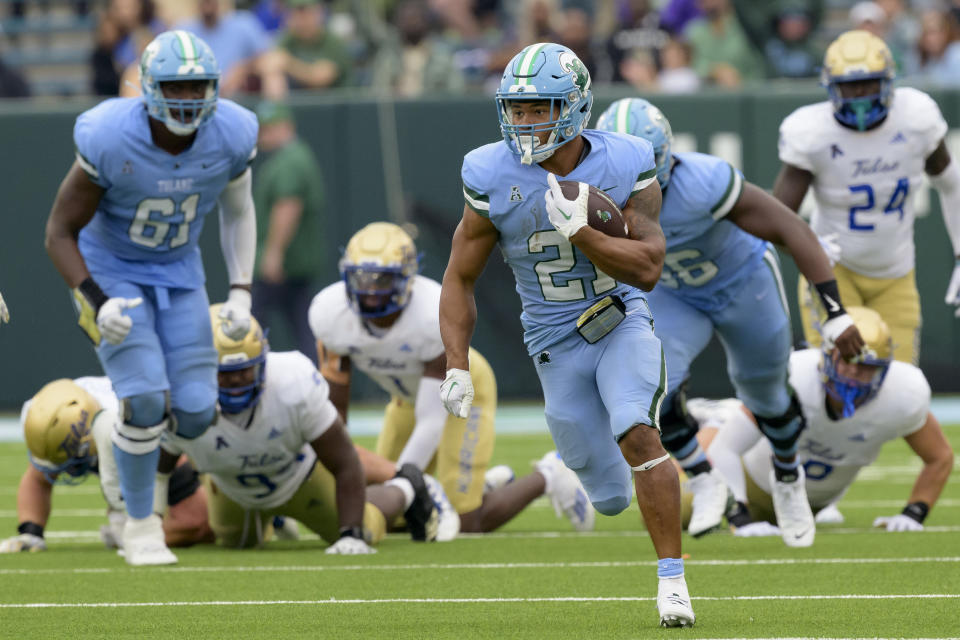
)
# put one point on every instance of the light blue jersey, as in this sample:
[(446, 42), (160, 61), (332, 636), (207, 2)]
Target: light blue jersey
[(151, 214), (708, 258), (555, 280)]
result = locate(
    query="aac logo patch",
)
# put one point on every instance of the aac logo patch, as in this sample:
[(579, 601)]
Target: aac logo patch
[(515, 195)]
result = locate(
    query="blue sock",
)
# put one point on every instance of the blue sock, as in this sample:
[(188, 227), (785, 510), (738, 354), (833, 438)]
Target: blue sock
[(669, 567), (137, 476), (786, 466)]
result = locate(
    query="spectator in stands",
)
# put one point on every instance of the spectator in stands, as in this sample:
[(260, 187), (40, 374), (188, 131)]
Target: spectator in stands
[(105, 73), (576, 31), (12, 85), (676, 75), (238, 42), (870, 16), (537, 22), (289, 197), (722, 54), (638, 30), (675, 16), (416, 58), (308, 53), (272, 15), (902, 30), (938, 48), (639, 69), (131, 17), (790, 51)]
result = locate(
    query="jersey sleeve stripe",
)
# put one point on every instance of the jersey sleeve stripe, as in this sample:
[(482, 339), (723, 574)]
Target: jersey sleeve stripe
[(730, 196), (87, 166), (479, 203), (644, 180)]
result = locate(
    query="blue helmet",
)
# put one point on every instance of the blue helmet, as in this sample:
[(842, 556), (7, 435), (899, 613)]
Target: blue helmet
[(877, 353), (858, 56), (639, 118), (548, 72), (174, 56)]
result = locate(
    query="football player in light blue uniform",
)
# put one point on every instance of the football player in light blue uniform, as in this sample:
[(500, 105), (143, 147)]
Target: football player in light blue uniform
[(123, 234), (721, 274), (585, 318)]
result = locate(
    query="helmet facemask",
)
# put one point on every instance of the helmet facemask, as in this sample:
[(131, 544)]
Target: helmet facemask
[(178, 56), (524, 139), (861, 112), (234, 399), (58, 428), (378, 269), (852, 60), (852, 391), (386, 287)]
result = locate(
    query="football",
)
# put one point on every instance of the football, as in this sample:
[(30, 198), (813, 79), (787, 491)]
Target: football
[(603, 214)]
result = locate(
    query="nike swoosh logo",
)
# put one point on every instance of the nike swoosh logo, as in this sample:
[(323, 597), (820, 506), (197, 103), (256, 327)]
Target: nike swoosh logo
[(450, 390), (565, 216), (609, 188), (797, 536), (833, 303)]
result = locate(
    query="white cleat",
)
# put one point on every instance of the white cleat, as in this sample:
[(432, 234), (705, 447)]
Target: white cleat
[(830, 514), (565, 491), (673, 603), (448, 526), (758, 529), (496, 477), (144, 544), (285, 528), (794, 515), (711, 497)]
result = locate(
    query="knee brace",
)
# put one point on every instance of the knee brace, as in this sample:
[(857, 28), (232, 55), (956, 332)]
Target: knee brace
[(137, 439), (192, 424), (679, 428), (784, 430)]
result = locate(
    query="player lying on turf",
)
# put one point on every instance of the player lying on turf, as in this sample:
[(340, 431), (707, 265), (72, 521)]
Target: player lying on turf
[(280, 448), (67, 426), (383, 318), (852, 409), (721, 276)]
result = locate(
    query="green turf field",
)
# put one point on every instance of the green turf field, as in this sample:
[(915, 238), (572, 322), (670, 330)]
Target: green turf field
[(534, 579)]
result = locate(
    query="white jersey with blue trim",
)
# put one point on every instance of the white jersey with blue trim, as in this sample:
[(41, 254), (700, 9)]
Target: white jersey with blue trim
[(833, 452), (707, 256), (260, 462), (864, 182), (555, 280), (149, 219)]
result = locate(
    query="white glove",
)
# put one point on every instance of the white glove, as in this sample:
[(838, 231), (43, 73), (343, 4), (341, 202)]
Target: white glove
[(757, 530), (567, 216), (23, 542), (112, 323), (4, 312), (898, 522), (349, 546), (112, 534), (456, 392), (952, 297), (833, 328), (830, 247), (235, 314)]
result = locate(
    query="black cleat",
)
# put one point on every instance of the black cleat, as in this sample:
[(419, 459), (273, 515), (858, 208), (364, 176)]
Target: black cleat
[(422, 517)]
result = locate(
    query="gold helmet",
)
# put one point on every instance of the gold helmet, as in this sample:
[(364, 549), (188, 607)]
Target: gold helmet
[(58, 428), (378, 267), (877, 353), (250, 351), (861, 57)]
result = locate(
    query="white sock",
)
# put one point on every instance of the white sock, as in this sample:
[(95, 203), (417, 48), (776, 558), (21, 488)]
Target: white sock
[(404, 485)]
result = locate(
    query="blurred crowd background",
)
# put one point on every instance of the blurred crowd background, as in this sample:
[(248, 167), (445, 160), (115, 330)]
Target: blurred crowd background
[(411, 47)]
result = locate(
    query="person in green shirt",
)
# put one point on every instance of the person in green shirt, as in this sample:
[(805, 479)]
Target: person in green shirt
[(722, 53), (288, 194), (308, 53)]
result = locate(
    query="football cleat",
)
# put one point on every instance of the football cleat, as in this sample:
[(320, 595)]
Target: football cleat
[(711, 498), (448, 525), (496, 477), (144, 544), (673, 603), (794, 515), (830, 514), (421, 516), (566, 493)]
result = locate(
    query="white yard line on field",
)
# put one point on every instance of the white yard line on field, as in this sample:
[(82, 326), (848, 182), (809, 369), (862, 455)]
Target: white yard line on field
[(333, 601), (756, 562)]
